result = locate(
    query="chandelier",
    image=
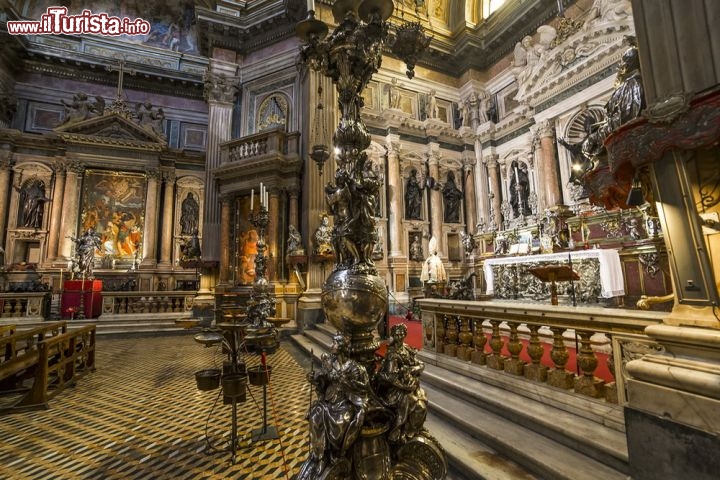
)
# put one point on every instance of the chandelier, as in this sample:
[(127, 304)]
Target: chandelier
[(362, 425)]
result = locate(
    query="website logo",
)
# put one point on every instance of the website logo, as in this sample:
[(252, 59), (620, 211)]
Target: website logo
[(57, 22)]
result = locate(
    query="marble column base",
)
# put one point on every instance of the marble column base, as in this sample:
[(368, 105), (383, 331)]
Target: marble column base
[(496, 362), (514, 366), (589, 386)]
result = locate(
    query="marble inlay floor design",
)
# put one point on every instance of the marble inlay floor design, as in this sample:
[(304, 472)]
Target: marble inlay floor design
[(141, 416)]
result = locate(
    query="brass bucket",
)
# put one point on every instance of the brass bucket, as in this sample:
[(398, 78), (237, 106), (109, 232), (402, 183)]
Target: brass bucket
[(234, 386), (207, 379), (258, 376)]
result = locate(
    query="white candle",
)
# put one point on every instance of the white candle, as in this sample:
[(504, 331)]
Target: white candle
[(517, 180), (561, 12), (310, 5), (252, 199)]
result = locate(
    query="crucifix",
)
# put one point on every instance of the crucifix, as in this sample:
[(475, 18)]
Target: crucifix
[(121, 71)]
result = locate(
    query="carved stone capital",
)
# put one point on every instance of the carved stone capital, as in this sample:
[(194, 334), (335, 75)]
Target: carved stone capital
[(546, 129), (492, 160), (153, 173), (74, 166), (169, 177), (220, 88), (393, 147), (6, 160), (59, 165)]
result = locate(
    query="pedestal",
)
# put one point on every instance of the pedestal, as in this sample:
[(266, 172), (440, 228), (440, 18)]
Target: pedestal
[(87, 291)]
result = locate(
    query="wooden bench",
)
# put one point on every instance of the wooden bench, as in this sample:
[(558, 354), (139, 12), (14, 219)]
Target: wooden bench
[(19, 354), (7, 329), (62, 360)]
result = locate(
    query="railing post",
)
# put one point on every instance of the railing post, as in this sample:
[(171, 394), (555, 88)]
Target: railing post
[(535, 371), (513, 364), (451, 336), (479, 341), (558, 376), (495, 360), (464, 350), (587, 383)]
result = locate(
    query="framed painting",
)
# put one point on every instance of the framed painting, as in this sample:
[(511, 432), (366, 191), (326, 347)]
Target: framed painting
[(113, 204)]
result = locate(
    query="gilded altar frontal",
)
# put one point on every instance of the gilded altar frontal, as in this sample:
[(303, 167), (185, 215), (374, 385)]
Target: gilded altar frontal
[(359, 239)]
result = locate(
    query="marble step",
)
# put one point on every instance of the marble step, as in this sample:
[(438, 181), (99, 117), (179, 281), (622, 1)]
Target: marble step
[(589, 438), (536, 453)]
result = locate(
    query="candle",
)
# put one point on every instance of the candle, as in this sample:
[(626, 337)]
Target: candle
[(561, 12), (517, 180), (310, 5), (252, 199)]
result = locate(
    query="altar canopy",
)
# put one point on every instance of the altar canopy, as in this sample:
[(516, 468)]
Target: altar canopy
[(609, 275)]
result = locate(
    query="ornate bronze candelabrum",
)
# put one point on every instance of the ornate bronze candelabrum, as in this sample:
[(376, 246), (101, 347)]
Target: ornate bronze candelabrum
[(354, 433), (262, 336)]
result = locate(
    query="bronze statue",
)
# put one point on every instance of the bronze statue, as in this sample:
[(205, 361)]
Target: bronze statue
[(32, 204), (190, 215), (413, 197), (452, 196), (628, 98), (85, 247)]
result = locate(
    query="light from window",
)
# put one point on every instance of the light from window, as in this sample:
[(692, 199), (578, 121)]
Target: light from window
[(491, 6)]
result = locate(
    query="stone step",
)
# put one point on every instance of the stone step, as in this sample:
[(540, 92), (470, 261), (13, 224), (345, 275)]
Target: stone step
[(534, 452), (589, 438)]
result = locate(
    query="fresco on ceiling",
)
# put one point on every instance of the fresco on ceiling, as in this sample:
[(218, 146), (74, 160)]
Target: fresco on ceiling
[(172, 21)]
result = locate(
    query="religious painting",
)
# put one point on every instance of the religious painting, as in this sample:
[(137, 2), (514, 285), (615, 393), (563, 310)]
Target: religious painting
[(113, 204), (273, 113), (246, 245), (172, 22)]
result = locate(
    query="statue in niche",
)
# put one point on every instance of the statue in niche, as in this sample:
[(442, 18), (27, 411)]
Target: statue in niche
[(32, 204), (519, 189), (190, 215), (413, 197), (466, 120), (585, 153), (492, 111), (433, 270), (394, 95), (416, 253), (452, 197), (432, 107), (399, 387), (323, 237), (628, 99), (190, 249), (84, 257), (336, 417), (294, 242), (81, 108)]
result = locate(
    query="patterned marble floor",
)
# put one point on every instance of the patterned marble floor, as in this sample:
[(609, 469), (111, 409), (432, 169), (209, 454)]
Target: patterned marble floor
[(140, 416)]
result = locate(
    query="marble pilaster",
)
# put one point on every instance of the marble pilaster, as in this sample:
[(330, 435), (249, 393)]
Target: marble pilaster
[(167, 225), (436, 205), (57, 210), (272, 235), (549, 169), (293, 218), (225, 223), (220, 88), (152, 207), (71, 204), (469, 190), (395, 197), (5, 166), (495, 198)]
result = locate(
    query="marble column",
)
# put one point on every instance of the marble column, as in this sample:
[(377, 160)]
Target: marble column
[(436, 205), (395, 196), (56, 211), (220, 89), (152, 207), (5, 188), (167, 225), (495, 194), (293, 218), (272, 236), (469, 190), (550, 177), (481, 187), (225, 221), (71, 207)]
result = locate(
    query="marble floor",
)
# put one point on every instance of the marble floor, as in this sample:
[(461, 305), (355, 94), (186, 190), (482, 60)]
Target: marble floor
[(141, 416)]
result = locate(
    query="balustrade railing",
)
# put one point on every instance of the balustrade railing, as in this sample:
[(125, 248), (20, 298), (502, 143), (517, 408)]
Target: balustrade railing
[(123, 303), (265, 143), (26, 305), (561, 346)]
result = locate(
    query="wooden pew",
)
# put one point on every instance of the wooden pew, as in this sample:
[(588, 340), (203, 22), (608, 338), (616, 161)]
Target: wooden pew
[(19, 353), (7, 329), (63, 359)]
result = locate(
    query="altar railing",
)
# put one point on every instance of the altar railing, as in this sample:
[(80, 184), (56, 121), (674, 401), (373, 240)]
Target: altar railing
[(25, 305), (124, 303), (541, 343)]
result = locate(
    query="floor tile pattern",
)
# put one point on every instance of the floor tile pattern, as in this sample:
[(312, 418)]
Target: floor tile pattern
[(140, 416)]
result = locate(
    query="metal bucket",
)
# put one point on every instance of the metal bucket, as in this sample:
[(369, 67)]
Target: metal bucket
[(258, 376), (234, 386), (207, 379)]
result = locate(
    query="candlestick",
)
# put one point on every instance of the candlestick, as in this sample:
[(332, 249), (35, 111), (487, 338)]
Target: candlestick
[(252, 199)]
